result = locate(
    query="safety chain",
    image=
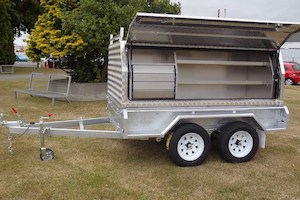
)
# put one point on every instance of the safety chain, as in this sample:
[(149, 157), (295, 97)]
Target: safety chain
[(10, 144)]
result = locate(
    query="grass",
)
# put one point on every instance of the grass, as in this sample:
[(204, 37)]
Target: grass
[(87, 168)]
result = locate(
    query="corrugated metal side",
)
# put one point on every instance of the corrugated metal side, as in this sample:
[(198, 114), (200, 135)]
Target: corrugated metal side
[(114, 77)]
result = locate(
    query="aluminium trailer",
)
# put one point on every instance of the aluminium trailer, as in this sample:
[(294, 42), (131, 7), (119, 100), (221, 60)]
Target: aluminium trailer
[(185, 79)]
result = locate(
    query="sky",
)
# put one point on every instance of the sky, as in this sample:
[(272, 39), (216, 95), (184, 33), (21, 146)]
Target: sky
[(19, 41), (273, 10)]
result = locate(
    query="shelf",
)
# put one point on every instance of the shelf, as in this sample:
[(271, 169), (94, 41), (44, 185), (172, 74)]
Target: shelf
[(190, 34), (231, 63), (156, 64), (223, 83)]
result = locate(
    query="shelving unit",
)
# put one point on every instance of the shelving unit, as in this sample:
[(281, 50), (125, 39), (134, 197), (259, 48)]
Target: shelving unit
[(200, 74), (223, 83), (223, 75), (229, 63)]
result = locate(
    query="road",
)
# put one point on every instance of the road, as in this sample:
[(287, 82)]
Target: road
[(14, 76), (25, 64)]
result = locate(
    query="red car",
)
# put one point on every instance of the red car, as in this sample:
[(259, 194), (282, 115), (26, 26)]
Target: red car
[(292, 73)]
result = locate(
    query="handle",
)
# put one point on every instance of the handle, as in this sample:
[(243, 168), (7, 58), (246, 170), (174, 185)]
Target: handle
[(14, 110)]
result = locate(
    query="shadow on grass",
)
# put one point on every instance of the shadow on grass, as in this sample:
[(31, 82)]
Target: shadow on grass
[(149, 151)]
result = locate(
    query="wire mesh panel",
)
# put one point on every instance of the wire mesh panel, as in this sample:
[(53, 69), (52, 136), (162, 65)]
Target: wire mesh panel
[(39, 82), (58, 84), (50, 83)]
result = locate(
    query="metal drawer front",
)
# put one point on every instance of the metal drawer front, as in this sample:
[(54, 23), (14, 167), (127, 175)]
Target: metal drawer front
[(153, 82)]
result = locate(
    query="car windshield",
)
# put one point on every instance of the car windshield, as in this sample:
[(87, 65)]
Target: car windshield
[(296, 67)]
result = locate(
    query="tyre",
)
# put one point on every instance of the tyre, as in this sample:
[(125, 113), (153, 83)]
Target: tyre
[(238, 142), (189, 145), (49, 155), (289, 81)]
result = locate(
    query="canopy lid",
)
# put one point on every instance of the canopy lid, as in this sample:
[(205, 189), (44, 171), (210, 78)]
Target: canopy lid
[(163, 30)]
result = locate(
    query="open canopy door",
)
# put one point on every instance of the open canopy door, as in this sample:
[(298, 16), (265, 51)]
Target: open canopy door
[(162, 30)]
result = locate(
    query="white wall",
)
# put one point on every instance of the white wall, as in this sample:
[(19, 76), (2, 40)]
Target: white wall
[(291, 51)]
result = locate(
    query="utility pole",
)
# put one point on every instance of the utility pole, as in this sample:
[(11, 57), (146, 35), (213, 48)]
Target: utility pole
[(225, 13)]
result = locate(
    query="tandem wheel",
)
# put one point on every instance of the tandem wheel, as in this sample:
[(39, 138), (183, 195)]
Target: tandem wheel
[(189, 145), (238, 142), (46, 154)]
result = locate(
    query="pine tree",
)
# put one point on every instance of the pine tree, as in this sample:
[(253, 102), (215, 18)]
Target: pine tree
[(24, 15), (7, 55), (15, 16)]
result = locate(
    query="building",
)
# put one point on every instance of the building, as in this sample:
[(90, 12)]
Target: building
[(291, 49)]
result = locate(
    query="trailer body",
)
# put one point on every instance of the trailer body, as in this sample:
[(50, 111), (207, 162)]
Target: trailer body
[(186, 78), (175, 69)]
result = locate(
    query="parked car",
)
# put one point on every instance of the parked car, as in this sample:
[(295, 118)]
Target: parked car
[(53, 62), (292, 73), (21, 57)]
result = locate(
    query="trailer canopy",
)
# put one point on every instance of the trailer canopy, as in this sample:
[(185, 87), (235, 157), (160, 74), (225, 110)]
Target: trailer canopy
[(161, 30)]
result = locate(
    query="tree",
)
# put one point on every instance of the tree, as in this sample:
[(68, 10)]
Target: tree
[(94, 21), (48, 37), (15, 16), (7, 55), (80, 32), (24, 15), (165, 6)]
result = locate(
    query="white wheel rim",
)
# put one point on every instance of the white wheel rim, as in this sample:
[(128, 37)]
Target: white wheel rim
[(190, 146), (288, 82), (240, 144)]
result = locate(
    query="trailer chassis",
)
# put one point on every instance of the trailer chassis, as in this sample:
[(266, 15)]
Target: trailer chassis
[(147, 123), (57, 128)]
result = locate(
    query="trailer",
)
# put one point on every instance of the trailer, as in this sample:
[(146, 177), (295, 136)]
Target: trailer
[(185, 80)]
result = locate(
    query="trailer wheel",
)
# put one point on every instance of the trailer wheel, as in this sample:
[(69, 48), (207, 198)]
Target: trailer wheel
[(49, 155), (238, 142), (189, 145)]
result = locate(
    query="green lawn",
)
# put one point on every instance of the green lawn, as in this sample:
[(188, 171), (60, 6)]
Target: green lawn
[(87, 168)]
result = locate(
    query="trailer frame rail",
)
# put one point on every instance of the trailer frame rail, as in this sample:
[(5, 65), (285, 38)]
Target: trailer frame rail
[(57, 128)]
